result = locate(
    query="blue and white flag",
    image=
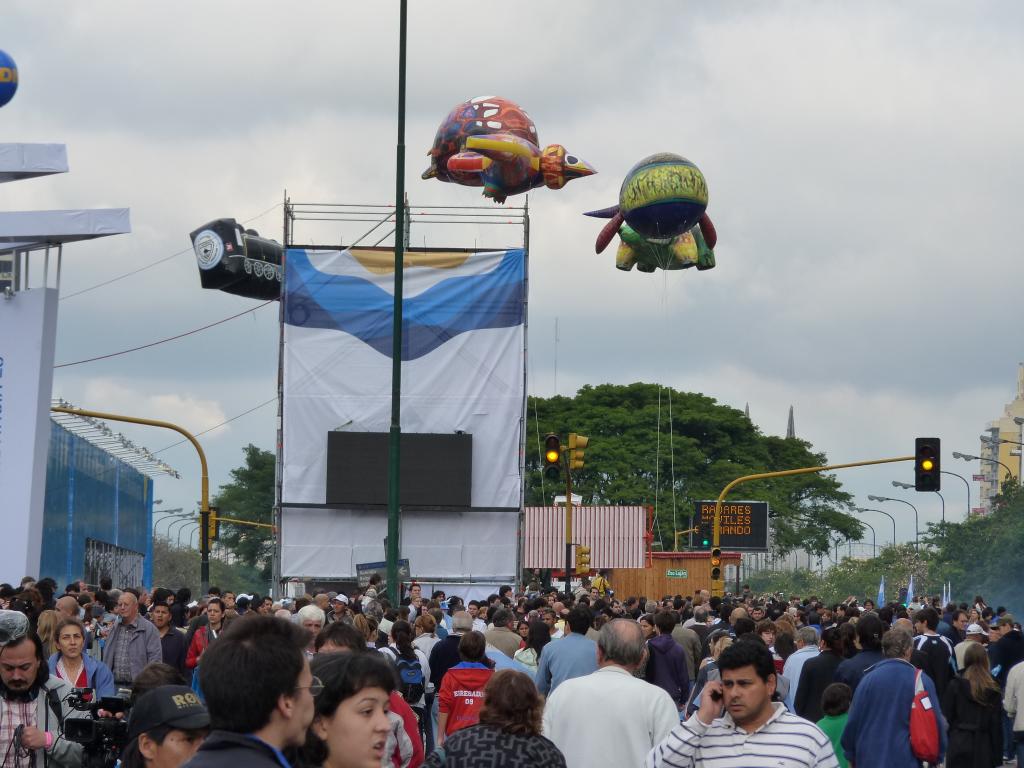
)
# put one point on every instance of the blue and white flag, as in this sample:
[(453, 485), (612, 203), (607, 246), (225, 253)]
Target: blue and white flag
[(463, 358), (910, 590), (881, 593)]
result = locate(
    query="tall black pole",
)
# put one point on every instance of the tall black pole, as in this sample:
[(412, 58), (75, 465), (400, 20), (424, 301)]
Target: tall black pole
[(395, 434)]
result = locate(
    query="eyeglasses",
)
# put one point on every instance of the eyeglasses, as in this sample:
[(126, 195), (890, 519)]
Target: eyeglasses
[(315, 686)]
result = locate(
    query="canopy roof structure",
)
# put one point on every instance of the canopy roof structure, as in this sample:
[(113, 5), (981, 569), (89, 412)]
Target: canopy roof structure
[(99, 434), (20, 230), (27, 161)]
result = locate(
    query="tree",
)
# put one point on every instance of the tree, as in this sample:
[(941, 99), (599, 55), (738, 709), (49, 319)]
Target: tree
[(978, 556), (175, 567), (637, 455), (249, 496)]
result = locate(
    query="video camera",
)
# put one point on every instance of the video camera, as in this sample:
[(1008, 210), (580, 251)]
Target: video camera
[(102, 735)]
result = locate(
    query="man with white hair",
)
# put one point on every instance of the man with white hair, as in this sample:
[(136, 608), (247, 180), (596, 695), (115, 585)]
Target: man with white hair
[(806, 648), (631, 716), (133, 642), (311, 618)]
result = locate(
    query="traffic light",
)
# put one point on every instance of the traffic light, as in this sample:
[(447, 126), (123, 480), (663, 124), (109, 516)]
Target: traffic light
[(705, 541), (552, 457), (926, 464), (716, 564), (213, 524), (582, 560), (577, 444)]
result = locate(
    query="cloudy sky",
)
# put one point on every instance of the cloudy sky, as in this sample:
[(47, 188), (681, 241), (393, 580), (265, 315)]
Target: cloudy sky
[(863, 160)]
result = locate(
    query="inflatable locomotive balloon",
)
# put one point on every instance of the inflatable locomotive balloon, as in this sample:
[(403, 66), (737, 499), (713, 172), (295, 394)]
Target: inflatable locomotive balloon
[(661, 217), (237, 260), (492, 143), (8, 78)]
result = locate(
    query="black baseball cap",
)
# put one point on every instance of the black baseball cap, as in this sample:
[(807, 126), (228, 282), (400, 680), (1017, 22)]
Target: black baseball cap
[(174, 706)]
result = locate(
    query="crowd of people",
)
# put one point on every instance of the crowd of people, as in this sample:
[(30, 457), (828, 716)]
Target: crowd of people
[(526, 677)]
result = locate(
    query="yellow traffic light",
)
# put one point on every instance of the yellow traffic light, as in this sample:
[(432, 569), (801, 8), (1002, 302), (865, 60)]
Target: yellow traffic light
[(927, 456), (716, 564), (552, 457), (582, 559), (213, 524), (577, 444)]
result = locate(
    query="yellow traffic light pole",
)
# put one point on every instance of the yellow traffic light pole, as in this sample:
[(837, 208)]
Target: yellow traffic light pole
[(568, 521), (204, 504), (718, 584)]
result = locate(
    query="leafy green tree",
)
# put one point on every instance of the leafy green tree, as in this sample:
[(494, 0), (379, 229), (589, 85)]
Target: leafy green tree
[(983, 555), (249, 496), (638, 455)]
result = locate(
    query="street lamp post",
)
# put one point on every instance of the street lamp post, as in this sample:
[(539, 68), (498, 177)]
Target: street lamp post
[(968, 489), (182, 529), (969, 457), (917, 524), (181, 522), (874, 539), (869, 509), (910, 487)]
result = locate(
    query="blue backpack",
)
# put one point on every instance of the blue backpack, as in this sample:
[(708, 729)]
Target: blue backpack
[(410, 678)]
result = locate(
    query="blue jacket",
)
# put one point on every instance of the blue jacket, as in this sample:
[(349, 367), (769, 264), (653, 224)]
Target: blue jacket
[(560, 660), (666, 667), (98, 674), (878, 729)]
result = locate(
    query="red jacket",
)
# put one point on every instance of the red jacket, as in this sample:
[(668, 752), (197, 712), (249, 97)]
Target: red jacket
[(200, 642), (462, 694)]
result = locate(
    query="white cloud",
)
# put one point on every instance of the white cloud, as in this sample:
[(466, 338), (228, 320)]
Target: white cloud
[(188, 411)]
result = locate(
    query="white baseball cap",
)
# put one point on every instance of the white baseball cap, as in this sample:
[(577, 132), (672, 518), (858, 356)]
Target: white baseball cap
[(975, 629)]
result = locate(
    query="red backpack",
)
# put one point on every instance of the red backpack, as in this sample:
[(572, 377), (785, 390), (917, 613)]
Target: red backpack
[(924, 726)]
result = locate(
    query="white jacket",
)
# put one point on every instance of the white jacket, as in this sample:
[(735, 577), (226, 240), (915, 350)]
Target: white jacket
[(1013, 699)]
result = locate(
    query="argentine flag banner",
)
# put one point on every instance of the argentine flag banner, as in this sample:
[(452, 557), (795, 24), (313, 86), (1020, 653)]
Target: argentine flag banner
[(463, 358)]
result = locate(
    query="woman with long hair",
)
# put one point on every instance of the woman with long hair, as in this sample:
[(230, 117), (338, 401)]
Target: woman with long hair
[(207, 633), (76, 668), (467, 678), (972, 705), (350, 721), (46, 628), (409, 660), (367, 626), (523, 630), (536, 639), (509, 731)]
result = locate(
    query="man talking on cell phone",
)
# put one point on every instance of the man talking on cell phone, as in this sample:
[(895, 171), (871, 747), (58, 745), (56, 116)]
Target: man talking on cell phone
[(739, 726)]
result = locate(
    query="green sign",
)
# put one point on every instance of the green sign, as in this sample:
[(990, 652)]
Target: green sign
[(677, 574)]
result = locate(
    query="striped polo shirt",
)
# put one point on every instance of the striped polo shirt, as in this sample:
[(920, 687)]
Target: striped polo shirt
[(785, 741)]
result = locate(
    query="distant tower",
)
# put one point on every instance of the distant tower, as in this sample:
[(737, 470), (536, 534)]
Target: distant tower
[(790, 427), (746, 411)]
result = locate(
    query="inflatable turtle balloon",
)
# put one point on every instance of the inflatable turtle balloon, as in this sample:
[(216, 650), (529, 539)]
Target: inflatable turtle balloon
[(661, 217), (492, 143)]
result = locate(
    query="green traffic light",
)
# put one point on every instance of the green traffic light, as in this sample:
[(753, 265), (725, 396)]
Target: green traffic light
[(705, 542)]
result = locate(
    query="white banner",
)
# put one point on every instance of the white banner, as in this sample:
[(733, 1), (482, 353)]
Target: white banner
[(462, 359), (28, 330), (473, 544)]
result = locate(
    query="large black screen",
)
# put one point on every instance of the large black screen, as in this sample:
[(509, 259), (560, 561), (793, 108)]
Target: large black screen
[(435, 470)]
